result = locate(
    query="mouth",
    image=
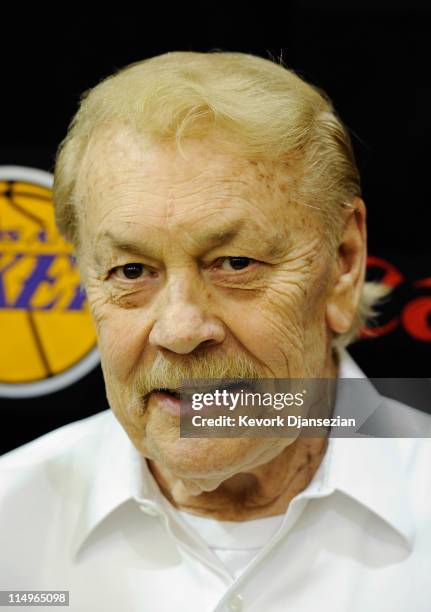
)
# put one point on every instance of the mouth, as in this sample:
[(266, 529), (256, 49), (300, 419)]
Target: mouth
[(234, 386), (169, 400), (179, 402), (171, 392)]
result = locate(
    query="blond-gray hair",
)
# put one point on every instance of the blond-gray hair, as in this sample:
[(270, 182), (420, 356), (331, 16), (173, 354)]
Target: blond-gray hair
[(255, 107)]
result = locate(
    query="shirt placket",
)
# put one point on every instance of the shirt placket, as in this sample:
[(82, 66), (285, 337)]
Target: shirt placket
[(234, 600)]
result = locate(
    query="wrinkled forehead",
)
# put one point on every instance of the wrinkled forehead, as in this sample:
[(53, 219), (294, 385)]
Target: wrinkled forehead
[(109, 146), (117, 153), (122, 176)]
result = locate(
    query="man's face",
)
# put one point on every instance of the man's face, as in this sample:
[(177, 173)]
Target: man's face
[(230, 280)]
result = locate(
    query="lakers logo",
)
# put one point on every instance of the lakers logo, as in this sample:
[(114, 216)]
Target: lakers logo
[(48, 340)]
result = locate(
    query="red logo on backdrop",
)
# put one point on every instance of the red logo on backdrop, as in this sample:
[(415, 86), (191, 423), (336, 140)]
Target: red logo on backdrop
[(415, 316)]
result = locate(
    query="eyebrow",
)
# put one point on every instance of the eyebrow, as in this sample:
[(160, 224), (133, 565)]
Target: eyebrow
[(120, 244), (212, 239)]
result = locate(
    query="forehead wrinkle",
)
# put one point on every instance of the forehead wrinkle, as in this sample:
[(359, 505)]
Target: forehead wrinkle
[(246, 184), (239, 179)]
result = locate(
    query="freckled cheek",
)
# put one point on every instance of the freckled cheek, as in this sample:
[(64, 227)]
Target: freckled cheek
[(274, 333), (121, 340), (257, 327), (278, 328)]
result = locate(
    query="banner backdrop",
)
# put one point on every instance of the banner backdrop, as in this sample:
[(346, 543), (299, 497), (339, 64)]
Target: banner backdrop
[(49, 364)]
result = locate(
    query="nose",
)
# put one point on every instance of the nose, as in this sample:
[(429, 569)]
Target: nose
[(184, 322)]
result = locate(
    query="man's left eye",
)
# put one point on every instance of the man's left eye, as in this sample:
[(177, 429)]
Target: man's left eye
[(237, 263), (130, 270)]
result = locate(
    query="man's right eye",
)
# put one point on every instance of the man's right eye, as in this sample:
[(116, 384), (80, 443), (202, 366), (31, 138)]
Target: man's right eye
[(129, 270)]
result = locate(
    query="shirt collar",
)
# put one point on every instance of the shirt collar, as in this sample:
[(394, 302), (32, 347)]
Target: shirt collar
[(109, 478), (368, 470)]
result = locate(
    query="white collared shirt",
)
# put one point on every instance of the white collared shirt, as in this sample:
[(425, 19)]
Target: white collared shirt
[(81, 511)]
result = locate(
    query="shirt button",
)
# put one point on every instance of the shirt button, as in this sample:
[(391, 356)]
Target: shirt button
[(235, 603)]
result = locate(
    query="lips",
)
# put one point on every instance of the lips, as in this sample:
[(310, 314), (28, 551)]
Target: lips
[(234, 386), (170, 401), (179, 402), (172, 392)]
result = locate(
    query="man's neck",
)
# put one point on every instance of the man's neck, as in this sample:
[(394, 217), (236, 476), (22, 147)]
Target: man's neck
[(261, 492)]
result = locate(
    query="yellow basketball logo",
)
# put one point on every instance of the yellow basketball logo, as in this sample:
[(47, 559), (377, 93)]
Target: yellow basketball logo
[(48, 339)]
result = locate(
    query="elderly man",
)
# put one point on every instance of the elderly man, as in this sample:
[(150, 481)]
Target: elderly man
[(215, 208)]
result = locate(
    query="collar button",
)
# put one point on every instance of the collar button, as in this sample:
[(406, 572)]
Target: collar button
[(235, 603)]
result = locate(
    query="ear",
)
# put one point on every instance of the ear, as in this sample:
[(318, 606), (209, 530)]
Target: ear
[(349, 270)]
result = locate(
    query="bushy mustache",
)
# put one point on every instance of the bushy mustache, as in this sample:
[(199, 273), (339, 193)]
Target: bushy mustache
[(164, 373)]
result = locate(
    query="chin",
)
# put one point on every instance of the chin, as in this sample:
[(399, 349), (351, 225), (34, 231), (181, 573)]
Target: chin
[(202, 458)]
